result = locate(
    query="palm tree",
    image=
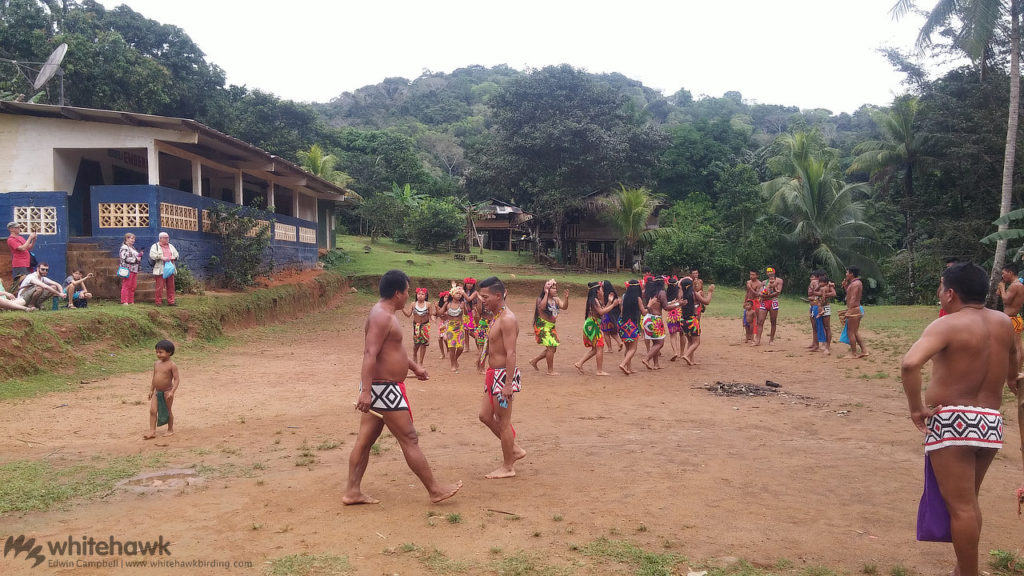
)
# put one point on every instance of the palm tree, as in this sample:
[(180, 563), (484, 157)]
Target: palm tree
[(897, 157), (318, 163), (407, 195), (979, 21), (818, 209), (628, 212)]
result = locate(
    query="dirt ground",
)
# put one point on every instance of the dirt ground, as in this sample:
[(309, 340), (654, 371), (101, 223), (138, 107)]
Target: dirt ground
[(826, 473)]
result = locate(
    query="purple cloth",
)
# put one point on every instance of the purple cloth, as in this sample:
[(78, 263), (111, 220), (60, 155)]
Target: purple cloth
[(932, 515)]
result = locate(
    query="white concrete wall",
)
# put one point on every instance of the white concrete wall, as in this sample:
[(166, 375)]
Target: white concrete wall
[(28, 161)]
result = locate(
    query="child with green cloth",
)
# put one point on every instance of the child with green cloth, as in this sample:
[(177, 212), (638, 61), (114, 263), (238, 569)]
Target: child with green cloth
[(161, 392)]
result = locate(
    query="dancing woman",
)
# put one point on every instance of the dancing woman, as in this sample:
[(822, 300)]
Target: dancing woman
[(593, 337), (454, 334), (631, 307), (545, 312), (420, 311), (610, 320)]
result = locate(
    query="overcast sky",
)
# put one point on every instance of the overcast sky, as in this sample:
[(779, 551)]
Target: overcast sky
[(807, 53)]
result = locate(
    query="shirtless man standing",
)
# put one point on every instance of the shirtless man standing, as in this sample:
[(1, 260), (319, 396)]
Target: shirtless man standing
[(1012, 293), (502, 380), (751, 304), (854, 312), (382, 390), (769, 306), (972, 354)]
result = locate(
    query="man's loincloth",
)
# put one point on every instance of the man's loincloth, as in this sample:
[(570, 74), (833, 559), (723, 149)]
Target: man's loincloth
[(1018, 323), (964, 426), (545, 333), (653, 326), (388, 397), (420, 333), (772, 304), (496, 380)]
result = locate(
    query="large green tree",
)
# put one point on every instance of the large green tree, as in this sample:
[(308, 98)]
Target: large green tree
[(978, 22), (820, 213), (895, 159), (562, 134)]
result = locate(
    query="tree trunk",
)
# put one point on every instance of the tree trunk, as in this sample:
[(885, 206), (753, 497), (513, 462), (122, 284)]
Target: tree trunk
[(908, 192), (1011, 148)]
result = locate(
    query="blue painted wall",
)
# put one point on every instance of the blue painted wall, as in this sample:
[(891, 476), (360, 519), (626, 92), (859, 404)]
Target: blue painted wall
[(195, 248), (51, 249)]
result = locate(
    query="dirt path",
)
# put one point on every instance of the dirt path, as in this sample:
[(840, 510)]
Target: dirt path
[(830, 477)]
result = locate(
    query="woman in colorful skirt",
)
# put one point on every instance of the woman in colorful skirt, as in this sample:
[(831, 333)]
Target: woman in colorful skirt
[(545, 312), (610, 320), (676, 338), (630, 308), (442, 325), (455, 332), (652, 323), (420, 311), (593, 338), (469, 319)]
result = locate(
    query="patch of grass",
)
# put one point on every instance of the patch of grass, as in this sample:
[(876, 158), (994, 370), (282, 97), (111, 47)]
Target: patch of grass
[(817, 571), (557, 517), (741, 568), (523, 564), (869, 568), (454, 518), (407, 547), (38, 485), (439, 562), (309, 565), (1006, 562), (306, 455), (899, 570), (643, 562), (328, 445)]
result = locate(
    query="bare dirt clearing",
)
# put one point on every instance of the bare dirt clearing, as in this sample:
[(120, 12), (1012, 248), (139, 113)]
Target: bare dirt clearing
[(826, 472)]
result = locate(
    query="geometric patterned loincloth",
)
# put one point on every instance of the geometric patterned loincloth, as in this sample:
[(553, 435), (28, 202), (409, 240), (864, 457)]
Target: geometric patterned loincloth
[(964, 426), (388, 397)]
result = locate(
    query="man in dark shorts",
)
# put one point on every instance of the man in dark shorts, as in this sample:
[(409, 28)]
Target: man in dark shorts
[(382, 397), (502, 380)]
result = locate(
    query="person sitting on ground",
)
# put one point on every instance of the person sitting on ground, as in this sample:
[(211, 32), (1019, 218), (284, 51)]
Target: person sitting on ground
[(78, 294), (36, 286), (9, 301)]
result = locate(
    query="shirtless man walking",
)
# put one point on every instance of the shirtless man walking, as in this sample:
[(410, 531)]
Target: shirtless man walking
[(854, 312), (502, 380), (973, 354), (770, 292), (382, 390)]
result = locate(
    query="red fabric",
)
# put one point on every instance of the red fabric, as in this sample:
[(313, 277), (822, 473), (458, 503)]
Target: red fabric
[(166, 250), (942, 312), (162, 283), (128, 288), (19, 258)]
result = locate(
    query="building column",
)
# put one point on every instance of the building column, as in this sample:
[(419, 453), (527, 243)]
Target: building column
[(270, 197), (238, 188), (197, 177), (295, 203), (153, 165)]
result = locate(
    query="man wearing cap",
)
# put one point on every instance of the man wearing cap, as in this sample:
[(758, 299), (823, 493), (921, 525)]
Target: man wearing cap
[(769, 305), (21, 258)]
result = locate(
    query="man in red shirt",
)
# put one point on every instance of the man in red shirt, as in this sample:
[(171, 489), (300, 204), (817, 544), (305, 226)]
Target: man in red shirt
[(20, 255)]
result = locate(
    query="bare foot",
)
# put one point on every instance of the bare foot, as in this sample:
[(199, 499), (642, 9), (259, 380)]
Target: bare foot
[(518, 452), (826, 352), (673, 358), (644, 362), (579, 368), (863, 355), (623, 368), (850, 356), (534, 364), (358, 499), (688, 361), (815, 349), (446, 494), (551, 373), (169, 433), (603, 373), (149, 436), (501, 473)]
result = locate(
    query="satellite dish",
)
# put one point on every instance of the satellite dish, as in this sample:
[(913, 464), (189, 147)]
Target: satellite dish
[(50, 67)]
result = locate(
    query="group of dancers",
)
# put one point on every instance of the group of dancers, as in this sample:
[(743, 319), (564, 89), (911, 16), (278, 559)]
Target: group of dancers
[(653, 309)]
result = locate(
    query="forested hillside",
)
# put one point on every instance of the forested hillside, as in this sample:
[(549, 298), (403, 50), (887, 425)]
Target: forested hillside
[(743, 184)]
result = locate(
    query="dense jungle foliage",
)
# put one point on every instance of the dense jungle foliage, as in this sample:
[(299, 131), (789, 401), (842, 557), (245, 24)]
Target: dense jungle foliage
[(742, 184)]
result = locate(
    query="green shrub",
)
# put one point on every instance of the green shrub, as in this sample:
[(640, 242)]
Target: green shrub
[(435, 222), (244, 241)]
